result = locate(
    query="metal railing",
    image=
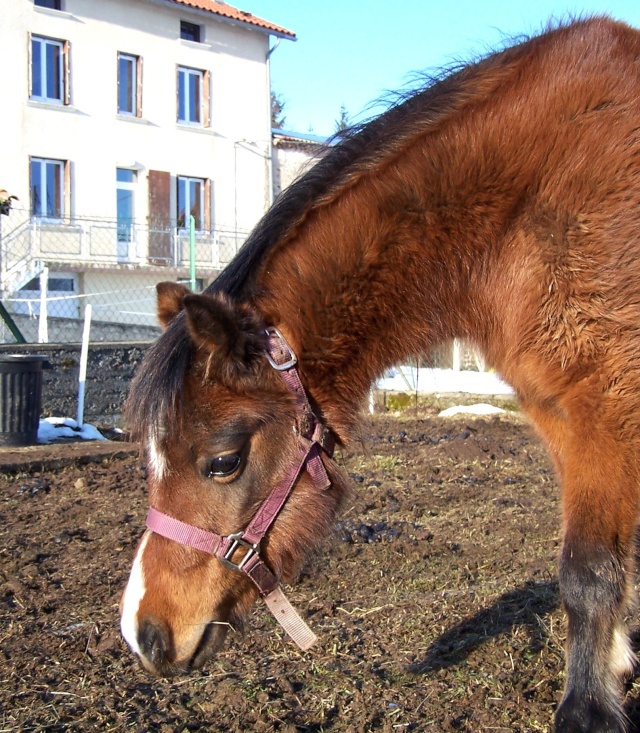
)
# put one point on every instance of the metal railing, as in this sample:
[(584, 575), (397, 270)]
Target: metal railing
[(113, 265)]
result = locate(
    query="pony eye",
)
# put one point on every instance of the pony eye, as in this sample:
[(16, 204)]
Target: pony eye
[(222, 466)]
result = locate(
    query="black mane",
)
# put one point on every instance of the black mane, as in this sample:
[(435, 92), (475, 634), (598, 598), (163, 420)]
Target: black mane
[(348, 152)]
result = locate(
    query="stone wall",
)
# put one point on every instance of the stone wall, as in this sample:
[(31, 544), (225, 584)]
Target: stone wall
[(69, 330), (110, 368)]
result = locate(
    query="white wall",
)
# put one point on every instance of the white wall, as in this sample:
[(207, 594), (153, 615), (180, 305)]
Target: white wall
[(91, 135), (129, 297), (291, 161)]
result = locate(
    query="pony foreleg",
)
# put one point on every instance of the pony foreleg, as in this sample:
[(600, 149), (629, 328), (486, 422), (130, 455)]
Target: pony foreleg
[(594, 590), (597, 565)]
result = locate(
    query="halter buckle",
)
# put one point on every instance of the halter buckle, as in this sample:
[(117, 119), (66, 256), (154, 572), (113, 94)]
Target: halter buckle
[(291, 358), (237, 540)]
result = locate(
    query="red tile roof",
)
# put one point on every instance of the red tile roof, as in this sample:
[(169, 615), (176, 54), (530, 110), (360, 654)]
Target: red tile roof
[(242, 16)]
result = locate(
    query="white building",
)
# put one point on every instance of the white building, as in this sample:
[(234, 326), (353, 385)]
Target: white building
[(120, 119), (293, 155)]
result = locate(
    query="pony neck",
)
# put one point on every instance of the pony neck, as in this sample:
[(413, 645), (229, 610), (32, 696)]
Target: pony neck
[(366, 284), (398, 250)]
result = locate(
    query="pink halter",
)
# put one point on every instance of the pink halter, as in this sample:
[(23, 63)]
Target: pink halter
[(312, 436)]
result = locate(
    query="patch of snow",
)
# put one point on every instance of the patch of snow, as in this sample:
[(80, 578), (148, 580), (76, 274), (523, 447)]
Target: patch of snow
[(52, 428), (479, 409), (406, 378)]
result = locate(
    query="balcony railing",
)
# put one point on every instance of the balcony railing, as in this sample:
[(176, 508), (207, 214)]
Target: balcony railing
[(113, 254), (96, 242)]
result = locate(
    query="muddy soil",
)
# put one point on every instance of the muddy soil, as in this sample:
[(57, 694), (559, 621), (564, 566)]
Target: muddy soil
[(436, 602)]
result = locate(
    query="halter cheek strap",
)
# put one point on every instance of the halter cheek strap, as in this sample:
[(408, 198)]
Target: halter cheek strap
[(313, 437)]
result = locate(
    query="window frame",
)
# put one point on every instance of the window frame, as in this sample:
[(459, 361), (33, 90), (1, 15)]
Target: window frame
[(68, 281), (125, 233), (48, 4), (43, 71), (184, 91), (203, 224), (187, 28), (135, 93), (60, 191)]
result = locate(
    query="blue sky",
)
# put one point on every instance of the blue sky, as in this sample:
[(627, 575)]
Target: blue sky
[(353, 51)]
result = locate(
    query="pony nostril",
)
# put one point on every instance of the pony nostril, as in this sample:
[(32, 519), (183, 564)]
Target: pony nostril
[(154, 643)]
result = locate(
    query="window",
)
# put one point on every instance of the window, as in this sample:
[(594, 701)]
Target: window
[(61, 284), (49, 70), (191, 202), (129, 85), (47, 188), (125, 211), (62, 289), (189, 31), (52, 4), (193, 96)]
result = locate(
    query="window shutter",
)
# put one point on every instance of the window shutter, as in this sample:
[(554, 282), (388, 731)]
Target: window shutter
[(206, 98), (207, 205), (160, 234), (67, 72), (178, 93), (118, 83), (139, 87), (66, 191), (30, 91)]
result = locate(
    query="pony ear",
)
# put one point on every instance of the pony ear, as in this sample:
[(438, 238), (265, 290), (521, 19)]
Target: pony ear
[(232, 332), (170, 296)]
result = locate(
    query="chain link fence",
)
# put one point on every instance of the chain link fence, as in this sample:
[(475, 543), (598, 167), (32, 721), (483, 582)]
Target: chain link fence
[(50, 270)]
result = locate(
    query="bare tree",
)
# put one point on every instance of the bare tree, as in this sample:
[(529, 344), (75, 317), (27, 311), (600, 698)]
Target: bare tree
[(343, 122), (277, 109)]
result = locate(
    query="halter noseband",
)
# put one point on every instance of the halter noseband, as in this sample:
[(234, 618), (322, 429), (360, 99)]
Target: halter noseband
[(312, 436)]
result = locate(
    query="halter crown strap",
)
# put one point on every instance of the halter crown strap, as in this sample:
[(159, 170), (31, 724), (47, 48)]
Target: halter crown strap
[(312, 437)]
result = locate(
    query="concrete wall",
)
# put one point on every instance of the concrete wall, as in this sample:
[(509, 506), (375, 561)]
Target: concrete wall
[(291, 160), (69, 331), (109, 373)]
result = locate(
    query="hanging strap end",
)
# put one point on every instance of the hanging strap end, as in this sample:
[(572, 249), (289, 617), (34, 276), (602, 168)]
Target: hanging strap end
[(287, 616)]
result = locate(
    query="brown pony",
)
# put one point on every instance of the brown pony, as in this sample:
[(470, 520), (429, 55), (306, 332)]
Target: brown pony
[(501, 205)]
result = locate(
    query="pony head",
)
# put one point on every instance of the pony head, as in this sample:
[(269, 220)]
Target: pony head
[(220, 429)]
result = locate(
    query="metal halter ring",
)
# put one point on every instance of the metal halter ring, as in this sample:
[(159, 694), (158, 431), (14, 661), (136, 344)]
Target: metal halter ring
[(292, 359), (239, 541)]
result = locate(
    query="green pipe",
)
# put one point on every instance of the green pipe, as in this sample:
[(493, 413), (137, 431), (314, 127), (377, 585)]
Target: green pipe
[(192, 253)]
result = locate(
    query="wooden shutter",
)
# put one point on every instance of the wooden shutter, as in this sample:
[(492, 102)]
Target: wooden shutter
[(160, 230), (206, 98), (30, 92), (207, 205), (67, 72), (139, 86), (66, 190), (177, 93)]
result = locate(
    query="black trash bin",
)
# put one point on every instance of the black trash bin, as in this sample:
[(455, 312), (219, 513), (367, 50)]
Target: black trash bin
[(20, 397)]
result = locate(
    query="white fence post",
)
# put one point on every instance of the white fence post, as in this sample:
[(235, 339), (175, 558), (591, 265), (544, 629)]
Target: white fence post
[(84, 354), (43, 326)]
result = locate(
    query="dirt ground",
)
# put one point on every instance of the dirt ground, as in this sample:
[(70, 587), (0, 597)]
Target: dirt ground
[(436, 602)]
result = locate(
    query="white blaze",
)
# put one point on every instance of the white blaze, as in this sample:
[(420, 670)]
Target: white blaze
[(157, 460), (133, 594)]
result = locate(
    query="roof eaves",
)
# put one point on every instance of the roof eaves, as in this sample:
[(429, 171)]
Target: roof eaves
[(234, 16)]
